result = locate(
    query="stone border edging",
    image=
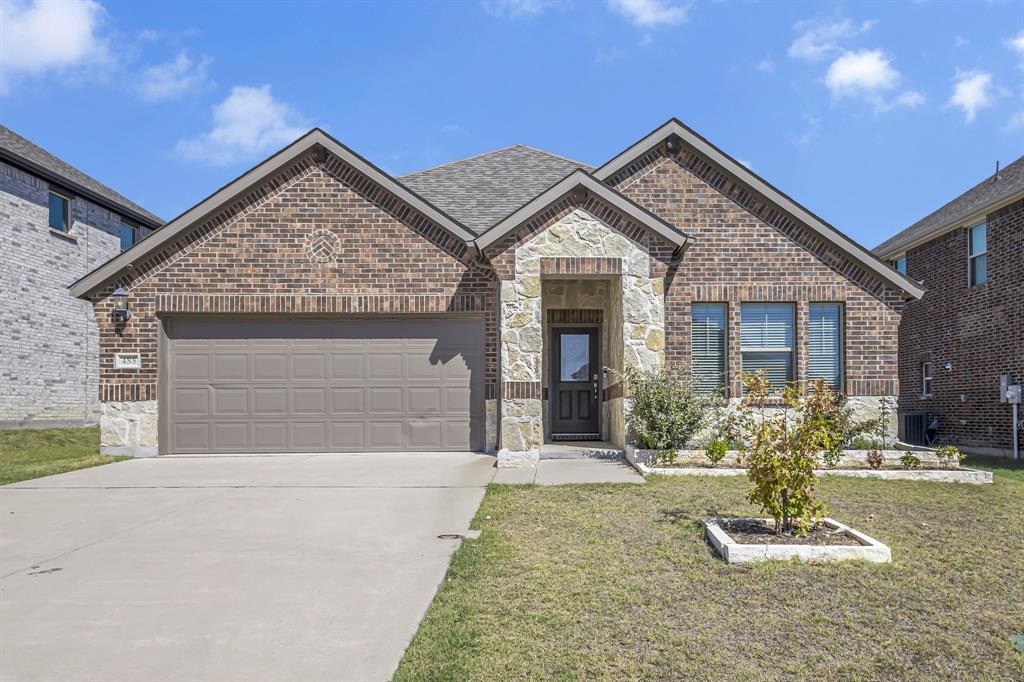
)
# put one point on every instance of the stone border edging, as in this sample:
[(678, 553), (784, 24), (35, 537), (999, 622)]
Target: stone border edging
[(734, 552), (960, 475)]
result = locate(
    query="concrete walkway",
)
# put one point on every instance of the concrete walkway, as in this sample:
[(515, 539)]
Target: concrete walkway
[(567, 471), (228, 568)]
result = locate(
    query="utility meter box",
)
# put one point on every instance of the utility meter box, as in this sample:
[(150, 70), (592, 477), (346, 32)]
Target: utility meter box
[(1005, 381), (1013, 394)]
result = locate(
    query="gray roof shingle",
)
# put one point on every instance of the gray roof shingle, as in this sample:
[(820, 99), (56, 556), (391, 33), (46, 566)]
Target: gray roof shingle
[(17, 148), (481, 190), (986, 193)]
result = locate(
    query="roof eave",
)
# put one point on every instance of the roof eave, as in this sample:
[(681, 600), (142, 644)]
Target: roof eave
[(312, 142), (80, 189), (575, 179), (746, 176)]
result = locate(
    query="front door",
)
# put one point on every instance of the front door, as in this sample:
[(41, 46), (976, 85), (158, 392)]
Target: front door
[(574, 385)]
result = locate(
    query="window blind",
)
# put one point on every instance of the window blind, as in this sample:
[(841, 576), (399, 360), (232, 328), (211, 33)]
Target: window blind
[(707, 343), (824, 339), (766, 340)]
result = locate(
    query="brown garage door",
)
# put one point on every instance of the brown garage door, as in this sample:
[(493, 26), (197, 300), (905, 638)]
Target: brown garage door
[(305, 385)]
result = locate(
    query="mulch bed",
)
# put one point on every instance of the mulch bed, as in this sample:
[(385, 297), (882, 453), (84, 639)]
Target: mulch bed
[(756, 532)]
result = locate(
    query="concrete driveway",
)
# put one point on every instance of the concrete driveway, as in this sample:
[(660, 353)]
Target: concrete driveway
[(228, 568)]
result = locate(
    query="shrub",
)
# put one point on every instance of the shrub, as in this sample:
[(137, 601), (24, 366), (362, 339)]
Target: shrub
[(875, 459), (863, 443), (715, 450), (666, 408), (910, 461), (783, 451), (666, 457), (948, 454), (834, 426)]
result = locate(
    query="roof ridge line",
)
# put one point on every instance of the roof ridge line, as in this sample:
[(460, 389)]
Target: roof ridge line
[(454, 161), (555, 156)]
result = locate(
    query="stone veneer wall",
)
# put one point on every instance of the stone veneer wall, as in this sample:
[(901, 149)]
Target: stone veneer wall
[(49, 345), (578, 234)]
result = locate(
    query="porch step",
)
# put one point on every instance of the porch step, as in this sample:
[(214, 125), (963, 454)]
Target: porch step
[(581, 450)]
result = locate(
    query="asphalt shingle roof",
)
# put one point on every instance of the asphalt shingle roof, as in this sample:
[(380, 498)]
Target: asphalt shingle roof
[(986, 193), (14, 145), (481, 190)]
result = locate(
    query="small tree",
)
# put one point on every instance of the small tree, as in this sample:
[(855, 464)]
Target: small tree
[(666, 410), (948, 454), (782, 452)]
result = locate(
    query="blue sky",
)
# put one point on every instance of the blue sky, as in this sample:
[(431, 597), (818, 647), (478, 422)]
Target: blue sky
[(870, 114)]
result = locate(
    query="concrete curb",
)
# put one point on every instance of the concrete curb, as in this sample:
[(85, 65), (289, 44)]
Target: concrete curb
[(733, 552)]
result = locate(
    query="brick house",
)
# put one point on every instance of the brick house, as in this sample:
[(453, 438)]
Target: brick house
[(968, 330), (318, 304), (56, 224)]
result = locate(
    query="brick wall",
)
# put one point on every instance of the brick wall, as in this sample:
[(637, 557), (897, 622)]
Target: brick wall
[(49, 346), (746, 250), (978, 330), (254, 258)]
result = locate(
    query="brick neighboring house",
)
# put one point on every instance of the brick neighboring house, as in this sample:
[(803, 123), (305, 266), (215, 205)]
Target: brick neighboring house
[(968, 330), (56, 224), (318, 304)]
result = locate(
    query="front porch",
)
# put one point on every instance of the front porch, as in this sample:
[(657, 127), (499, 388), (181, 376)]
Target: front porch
[(582, 305)]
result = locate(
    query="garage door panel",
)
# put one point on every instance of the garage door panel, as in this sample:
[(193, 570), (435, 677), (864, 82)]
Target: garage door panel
[(230, 401), (309, 367), (386, 435), (309, 436), (348, 436), (385, 366), (270, 401), (192, 367), (347, 367), (270, 436), (423, 400), (230, 437), (230, 367), (192, 437), (193, 401), (309, 401), (267, 367), (347, 401), (278, 385)]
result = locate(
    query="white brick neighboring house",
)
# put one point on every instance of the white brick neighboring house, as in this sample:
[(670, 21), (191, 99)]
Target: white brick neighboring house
[(49, 349)]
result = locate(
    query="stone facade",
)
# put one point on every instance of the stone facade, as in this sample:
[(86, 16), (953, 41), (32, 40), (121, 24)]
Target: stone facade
[(638, 339), (978, 330), (49, 344), (129, 428)]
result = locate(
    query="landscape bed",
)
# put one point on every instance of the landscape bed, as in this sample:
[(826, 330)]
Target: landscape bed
[(745, 540), (853, 464)]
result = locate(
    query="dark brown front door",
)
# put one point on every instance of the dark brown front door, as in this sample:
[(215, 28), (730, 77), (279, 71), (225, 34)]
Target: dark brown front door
[(574, 386)]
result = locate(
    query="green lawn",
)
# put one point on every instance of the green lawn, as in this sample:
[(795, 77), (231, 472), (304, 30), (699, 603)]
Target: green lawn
[(31, 453), (616, 582)]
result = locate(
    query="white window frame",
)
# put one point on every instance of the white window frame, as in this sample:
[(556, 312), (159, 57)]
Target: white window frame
[(841, 350), (896, 264), (67, 211), (724, 384), (135, 232), (971, 257), (791, 350), (926, 379)]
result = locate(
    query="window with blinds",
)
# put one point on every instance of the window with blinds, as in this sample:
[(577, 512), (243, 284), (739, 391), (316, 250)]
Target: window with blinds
[(707, 344), (766, 340), (824, 338)]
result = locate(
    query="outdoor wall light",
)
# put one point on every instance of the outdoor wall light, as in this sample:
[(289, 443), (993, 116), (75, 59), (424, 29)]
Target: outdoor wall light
[(579, 195), (121, 312), (948, 366)]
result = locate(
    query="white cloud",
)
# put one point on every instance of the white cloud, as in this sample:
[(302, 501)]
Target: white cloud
[(820, 39), (868, 75), (45, 36), (249, 123), (960, 41), (1016, 44), (973, 91), (810, 132), (651, 13), (172, 79), (453, 129), (1016, 122), (515, 9), (746, 163), (765, 66)]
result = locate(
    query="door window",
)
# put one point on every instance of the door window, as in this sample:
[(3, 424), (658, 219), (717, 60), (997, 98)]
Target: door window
[(575, 357)]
